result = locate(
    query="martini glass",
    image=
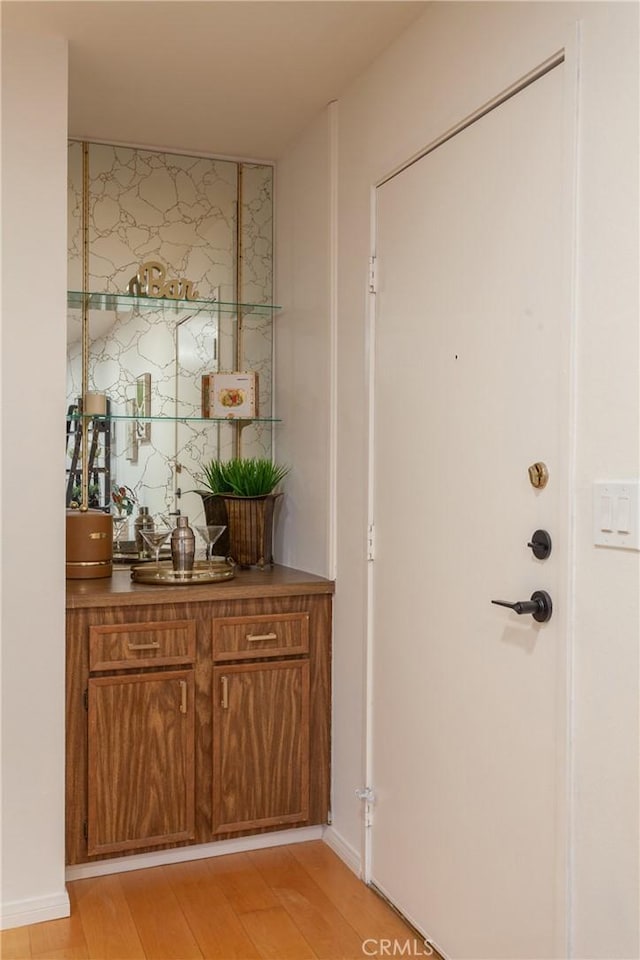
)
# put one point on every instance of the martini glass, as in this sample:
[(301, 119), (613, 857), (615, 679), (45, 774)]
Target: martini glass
[(210, 535), (155, 537), (120, 521)]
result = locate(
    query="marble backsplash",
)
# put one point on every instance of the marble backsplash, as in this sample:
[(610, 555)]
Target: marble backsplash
[(182, 212)]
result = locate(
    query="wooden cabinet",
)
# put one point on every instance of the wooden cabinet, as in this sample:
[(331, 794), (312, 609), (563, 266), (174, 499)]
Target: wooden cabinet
[(126, 645), (261, 745), (272, 635), (195, 714), (140, 743), (260, 721), (140, 760)]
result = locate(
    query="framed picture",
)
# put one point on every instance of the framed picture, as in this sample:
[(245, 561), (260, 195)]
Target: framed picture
[(233, 396), (143, 407)]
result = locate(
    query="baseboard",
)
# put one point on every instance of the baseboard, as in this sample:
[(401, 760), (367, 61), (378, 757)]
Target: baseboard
[(201, 851), (19, 913), (344, 850)]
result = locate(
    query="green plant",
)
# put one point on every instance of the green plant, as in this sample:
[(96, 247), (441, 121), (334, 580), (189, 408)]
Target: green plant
[(213, 478), (253, 477)]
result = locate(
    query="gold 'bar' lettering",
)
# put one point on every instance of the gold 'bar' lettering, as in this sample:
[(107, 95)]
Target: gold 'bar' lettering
[(150, 282)]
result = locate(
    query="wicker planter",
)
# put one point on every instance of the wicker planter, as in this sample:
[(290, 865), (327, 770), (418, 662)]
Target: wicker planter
[(250, 525)]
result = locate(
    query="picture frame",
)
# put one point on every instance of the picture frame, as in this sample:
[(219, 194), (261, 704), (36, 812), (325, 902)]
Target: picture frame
[(233, 396)]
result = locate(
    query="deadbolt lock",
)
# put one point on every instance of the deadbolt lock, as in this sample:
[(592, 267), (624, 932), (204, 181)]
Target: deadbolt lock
[(538, 475)]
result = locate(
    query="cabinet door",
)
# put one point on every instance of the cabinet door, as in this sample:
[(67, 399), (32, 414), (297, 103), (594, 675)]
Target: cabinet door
[(261, 745), (141, 760)]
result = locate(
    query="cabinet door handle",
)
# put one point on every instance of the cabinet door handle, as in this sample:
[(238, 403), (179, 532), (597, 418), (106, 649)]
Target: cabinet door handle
[(154, 645), (183, 696), (225, 693), (254, 637)]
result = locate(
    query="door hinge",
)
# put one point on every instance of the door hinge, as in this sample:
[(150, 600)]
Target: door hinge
[(85, 829), (371, 542), (367, 794), (373, 275), (85, 699)]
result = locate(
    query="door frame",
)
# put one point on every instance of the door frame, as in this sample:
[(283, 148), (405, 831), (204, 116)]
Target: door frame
[(568, 55)]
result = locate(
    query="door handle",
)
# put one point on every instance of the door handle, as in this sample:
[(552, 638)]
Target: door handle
[(539, 606)]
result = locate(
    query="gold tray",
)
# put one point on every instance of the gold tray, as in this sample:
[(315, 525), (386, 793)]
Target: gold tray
[(204, 571)]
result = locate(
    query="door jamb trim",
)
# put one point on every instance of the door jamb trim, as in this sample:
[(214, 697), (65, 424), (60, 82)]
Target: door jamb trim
[(549, 64), (570, 53)]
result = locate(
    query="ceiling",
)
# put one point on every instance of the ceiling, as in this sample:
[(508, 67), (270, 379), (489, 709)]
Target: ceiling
[(239, 78)]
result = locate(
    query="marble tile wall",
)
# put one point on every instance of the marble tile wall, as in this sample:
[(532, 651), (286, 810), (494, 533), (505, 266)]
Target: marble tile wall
[(256, 286), (181, 211)]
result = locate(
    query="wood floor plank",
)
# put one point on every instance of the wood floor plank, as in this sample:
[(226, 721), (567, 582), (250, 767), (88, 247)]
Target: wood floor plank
[(276, 935), (241, 883), (160, 921), (321, 923), (63, 937), (72, 947), (15, 944), (298, 902), (365, 910), (64, 953), (213, 922), (106, 919)]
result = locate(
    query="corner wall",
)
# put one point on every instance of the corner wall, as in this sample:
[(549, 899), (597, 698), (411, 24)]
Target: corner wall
[(450, 61), (302, 335), (32, 357)]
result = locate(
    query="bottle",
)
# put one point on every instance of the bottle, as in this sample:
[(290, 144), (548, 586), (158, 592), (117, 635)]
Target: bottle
[(183, 546), (142, 522)]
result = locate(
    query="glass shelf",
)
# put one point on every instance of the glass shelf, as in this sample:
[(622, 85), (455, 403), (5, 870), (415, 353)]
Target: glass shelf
[(128, 301), (167, 419)]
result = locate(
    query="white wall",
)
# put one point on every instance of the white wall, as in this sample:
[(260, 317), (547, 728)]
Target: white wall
[(303, 349), (607, 632), (451, 60), (457, 56), (34, 163)]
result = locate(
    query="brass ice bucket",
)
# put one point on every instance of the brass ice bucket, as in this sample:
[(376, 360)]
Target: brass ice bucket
[(89, 544)]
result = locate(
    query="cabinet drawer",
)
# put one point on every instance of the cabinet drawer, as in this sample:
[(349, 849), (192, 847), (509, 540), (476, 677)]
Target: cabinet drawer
[(152, 644), (267, 635)]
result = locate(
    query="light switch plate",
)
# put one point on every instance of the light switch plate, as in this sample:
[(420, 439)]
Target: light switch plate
[(616, 514)]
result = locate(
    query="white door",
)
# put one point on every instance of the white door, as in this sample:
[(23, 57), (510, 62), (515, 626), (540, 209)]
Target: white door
[(472, 386)]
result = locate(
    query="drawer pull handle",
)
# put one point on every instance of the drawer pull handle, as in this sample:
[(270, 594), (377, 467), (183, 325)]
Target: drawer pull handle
[(255, 637), (155, 645), (183, 696), (225, 693)]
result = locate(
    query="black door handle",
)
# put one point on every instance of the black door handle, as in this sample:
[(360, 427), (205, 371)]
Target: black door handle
[(539, 606)]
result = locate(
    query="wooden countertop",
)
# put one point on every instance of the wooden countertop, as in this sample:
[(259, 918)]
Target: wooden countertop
[(120, 591)]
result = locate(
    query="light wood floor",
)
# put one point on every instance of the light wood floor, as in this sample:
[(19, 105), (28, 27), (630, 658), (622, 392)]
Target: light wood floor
[(282, 903)]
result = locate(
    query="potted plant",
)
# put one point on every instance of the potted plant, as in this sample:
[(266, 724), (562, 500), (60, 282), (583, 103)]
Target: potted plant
[(245, 489)]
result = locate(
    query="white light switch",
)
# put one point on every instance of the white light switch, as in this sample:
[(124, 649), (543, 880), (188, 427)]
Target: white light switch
[(616, 514), (606, 511), (623, 514)]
